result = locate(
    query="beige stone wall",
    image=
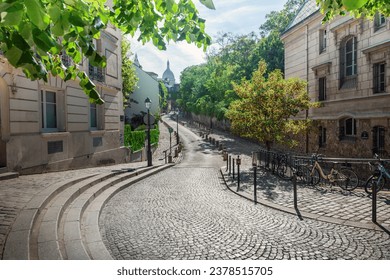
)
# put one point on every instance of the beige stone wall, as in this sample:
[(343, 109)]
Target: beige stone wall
[(25, 144), (304, 60)]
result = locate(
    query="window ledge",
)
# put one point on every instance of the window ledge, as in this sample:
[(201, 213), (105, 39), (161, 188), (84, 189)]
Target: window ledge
[(97, 132), (54, 134), (347, 139)]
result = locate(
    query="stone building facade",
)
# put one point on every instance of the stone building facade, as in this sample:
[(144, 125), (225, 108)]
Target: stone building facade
[(346, 63), (52, 126)]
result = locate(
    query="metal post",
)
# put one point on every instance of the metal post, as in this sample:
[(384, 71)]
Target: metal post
[(233, 168), (170, 143), (230, 165), (177, 128), (227, 162), (295, 191), (149, 152), (374, 196), (238, 173), (255, 184)]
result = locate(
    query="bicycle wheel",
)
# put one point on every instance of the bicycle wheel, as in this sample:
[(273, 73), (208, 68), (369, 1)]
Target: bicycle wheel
[(372, 181), (303, 174), (284, 171), (314, 178), (347, 179)]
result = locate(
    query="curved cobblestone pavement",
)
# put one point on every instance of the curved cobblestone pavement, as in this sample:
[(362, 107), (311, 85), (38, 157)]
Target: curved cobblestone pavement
[(187, 213)]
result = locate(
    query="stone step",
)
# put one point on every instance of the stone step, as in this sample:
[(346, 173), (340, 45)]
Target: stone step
[(90, 219), (5, 175), (17, 246), (45, 240)]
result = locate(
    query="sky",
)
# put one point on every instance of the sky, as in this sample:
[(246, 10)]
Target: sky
[(235, 16)]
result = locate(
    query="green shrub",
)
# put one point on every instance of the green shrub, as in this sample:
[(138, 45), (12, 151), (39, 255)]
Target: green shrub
[(136, 139)]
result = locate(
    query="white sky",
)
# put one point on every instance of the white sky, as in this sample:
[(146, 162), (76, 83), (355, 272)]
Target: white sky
[(235, 16)]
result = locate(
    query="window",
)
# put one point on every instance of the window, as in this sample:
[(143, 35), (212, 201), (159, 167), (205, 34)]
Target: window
[(379, 21), (322, 89), (347, 129), (350, 57), (94, 72), (322, 137), (378, 140), (49, 110), (348, 65), (379, 77), (323, 40), (52, 110)]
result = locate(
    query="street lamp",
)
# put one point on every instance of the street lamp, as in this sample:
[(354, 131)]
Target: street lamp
[(148, 103), (177, 127)]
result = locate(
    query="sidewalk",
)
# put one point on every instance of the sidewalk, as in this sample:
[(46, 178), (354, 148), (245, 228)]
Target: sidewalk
[(325, 203)]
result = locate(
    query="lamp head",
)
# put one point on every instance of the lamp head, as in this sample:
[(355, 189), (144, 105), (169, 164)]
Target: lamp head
[(148, 102)]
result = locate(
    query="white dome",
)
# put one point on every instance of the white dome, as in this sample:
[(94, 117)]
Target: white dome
[(168, 77)]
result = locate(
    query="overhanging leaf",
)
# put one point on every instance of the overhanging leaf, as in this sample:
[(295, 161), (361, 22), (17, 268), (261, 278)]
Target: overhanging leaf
[(208, 3), (354, 4), (36, 14)]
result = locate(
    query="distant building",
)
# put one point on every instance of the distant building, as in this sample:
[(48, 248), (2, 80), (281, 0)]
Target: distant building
[(347, 65), (52, 126), (170, 83), (147, 86)]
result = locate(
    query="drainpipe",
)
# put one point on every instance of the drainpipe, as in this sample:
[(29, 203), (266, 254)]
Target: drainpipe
[(307, 86)]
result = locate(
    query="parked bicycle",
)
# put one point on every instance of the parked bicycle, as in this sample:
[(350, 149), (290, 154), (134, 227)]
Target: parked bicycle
[(343, 177), (286, 171), (378, 178)]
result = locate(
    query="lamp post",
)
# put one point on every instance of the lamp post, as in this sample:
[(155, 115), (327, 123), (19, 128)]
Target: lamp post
[(149, 150), (177, 127)]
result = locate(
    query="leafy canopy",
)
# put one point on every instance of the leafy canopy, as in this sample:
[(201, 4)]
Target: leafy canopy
[(268, 108), (356, 8), (35, 33)]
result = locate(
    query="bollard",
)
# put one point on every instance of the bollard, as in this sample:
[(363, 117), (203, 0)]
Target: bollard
[(255, 184), (238, 173), (374, 197), (176, 153), (295, 191), (165, 156), (233, 167), (230, 165), (169, 158)]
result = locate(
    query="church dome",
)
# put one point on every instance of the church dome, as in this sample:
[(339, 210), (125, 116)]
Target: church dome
[(168, 77)]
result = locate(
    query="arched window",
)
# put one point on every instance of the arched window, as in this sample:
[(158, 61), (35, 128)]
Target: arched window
[(347, 128), (348, 62)]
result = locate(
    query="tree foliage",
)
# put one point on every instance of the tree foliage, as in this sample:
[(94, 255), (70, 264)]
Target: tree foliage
[(267, 106), (34, 33), (207, 89), (357, 8), (129, 77)]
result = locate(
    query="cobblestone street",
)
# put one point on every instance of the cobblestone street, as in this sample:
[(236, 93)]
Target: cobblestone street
[(186, 212)]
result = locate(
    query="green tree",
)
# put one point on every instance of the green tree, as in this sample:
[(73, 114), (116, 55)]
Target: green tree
[(270, 48), (357, 8), (163, 95), (129, 77), (268, 107), (34, 33)]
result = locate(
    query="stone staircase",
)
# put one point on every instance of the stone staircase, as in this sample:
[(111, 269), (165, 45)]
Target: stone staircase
[(62, 222), (5, 175)]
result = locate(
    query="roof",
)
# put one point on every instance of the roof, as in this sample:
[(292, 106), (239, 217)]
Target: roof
[(307, 9)]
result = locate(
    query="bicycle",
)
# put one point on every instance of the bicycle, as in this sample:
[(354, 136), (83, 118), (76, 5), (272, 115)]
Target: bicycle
[(286, 171), (345, 178), (378, 178)]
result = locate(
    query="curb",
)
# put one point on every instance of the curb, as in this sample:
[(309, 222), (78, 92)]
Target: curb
[(301, 214)]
